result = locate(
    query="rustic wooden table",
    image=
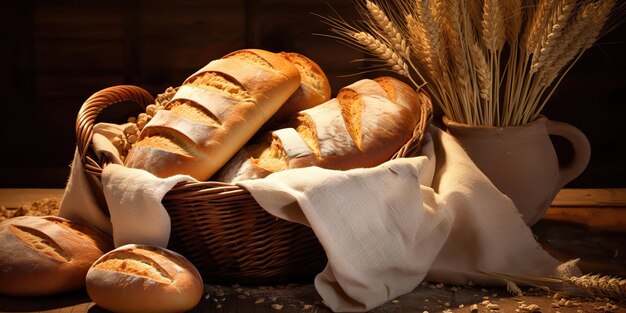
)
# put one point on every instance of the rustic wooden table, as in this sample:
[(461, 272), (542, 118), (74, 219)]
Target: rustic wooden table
[(582, 223)]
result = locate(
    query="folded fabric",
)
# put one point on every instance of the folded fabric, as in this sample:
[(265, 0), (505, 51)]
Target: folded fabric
[(384, 229)]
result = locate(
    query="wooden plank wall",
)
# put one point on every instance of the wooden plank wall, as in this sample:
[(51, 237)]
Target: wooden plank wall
[(55, 54)]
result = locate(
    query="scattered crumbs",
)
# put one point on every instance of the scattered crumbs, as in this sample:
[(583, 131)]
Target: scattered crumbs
[(394, 301), (425, 312), (241, 296), (276, 306), (485, 302), (446, 304), (215, 300), (274, 298), (529, 308), (426, 300), (485, 298), (555, 305), (495, 295), (307, 307), (207, 296), (259, 300), (608, 307), (461, 306), (447, 311), (218, 306), (484, 290)]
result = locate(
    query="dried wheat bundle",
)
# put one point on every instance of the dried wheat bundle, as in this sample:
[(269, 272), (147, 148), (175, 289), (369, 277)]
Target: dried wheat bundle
[(489, 62), (566, 281)]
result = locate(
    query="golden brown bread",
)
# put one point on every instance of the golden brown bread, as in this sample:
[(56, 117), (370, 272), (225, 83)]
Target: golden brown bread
[(364, 126), (45, 255), (314, 88), (137, 278), (214, 113)]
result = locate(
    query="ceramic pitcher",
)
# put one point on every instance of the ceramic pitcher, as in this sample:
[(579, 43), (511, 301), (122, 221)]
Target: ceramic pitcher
[(521, 160)]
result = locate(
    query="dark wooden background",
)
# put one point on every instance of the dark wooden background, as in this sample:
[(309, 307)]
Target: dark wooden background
[(55, 54)]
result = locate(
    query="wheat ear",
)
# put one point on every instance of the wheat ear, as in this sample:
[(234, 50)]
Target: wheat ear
[(512, 20), (390, 30), (539, 20), (583, 29), (600, 285), (550, 35), (493, 29), (382, 51), (482, 70)]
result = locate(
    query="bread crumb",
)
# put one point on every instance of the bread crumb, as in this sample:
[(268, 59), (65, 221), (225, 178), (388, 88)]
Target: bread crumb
[(259, 300), (493, 306), (276, 306)]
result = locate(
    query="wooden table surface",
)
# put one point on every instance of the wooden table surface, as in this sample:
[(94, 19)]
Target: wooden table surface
[(582, 223)]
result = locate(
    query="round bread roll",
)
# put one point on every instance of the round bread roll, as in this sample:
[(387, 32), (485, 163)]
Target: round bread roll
[(45, 255), (139, 278)]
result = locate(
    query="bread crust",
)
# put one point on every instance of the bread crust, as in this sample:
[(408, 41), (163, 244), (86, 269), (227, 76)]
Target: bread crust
[(219, 109), (139, 278), (314, 88), (47, 255), (364, 126)]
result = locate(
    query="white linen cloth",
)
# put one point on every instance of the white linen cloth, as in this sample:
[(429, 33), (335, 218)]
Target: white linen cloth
[(384, 229)]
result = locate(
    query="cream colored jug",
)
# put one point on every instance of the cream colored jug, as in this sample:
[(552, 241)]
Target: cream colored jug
[(521, 160)]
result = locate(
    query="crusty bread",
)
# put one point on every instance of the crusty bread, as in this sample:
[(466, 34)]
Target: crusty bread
[(364, 126), (214, 113), (46, 255), (314, 88), (138, 278)]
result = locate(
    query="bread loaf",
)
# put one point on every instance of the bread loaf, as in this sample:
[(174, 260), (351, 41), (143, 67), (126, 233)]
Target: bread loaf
[(45, 255), (136, 278), (214, 113), (314, 88), (364, 126)]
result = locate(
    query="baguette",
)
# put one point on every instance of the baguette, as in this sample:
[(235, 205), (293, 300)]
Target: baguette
[(214, 113), (137, 278), (46, 255), (364, 126)]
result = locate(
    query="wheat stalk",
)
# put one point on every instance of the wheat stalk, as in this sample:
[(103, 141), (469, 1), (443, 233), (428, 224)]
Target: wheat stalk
[(489, 62), (600, 285), (550, 36), (563, 282), (382, 51), (390, 30)]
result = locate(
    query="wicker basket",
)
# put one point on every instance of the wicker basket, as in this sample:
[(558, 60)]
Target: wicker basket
[(219, 227)]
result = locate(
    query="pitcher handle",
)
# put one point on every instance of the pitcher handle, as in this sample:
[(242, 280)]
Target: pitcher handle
[(580, 145)]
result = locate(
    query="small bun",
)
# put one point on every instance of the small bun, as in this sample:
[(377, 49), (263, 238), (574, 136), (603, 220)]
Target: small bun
[(138, 278), (46, 255)]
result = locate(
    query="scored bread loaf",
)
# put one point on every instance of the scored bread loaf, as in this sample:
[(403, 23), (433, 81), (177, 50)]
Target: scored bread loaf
[(314, 88), (214, 113), (139, 278), (46, 255), (364, 126)]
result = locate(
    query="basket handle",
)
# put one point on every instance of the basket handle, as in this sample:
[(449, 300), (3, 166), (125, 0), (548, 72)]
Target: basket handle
[(100, 100)]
